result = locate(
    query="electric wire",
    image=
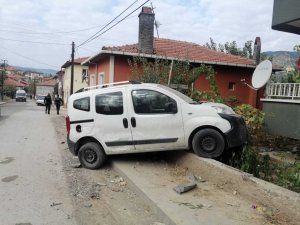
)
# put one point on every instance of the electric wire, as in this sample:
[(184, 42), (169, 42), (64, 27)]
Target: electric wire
[(91, 38), (28, 58), (119, 21), (35, 42)]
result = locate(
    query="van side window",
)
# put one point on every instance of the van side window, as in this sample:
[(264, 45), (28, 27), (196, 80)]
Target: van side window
[(82, 104), (152, 102), (110, 103)]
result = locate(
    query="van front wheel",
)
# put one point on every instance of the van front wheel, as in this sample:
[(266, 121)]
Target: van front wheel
[(91, 155), (208, 143)]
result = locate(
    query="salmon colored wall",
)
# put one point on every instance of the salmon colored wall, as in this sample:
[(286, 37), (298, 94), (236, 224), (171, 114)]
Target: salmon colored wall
[(231, 74), (122, 69), (225, 74), (102, 66)]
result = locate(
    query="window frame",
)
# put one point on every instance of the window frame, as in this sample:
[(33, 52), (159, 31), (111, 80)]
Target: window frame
[(81, 109)]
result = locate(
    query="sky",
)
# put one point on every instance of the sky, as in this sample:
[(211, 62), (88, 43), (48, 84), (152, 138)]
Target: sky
[(39, 33)]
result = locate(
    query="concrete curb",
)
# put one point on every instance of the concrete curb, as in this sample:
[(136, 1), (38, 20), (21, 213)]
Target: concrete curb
[(158, 211)]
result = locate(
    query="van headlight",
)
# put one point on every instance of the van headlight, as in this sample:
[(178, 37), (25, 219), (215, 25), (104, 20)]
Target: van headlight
[(223, 109)]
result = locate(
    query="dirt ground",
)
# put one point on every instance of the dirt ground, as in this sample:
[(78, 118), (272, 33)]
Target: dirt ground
[(100, 197), (263, 200)]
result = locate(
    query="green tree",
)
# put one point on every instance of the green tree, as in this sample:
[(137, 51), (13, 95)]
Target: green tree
[(212, 45), (10, 90), (232, 48), (264, 56), (183, 73), (293, 76), (297, 48)]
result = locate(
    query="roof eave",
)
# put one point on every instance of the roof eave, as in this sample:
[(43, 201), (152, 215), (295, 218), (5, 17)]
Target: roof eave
[(171, 58)]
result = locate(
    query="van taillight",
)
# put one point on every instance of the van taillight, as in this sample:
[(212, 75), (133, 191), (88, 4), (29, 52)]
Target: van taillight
[(68, 124)]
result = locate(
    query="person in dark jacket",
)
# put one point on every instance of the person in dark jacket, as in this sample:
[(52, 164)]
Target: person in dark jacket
[(48, 103), (58, 102)]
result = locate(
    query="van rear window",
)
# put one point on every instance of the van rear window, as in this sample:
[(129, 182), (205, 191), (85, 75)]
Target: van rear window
[(82, 104)]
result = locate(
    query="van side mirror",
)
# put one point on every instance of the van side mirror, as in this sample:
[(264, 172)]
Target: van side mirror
[(171, 107)]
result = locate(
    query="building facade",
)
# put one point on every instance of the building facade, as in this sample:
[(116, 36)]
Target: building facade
[(80, 77)]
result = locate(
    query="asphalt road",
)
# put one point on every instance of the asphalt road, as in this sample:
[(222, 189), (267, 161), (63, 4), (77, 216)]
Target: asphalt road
[(33, 187)]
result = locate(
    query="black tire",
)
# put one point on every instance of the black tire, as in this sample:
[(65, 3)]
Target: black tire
[(91, 155), (208, 143)]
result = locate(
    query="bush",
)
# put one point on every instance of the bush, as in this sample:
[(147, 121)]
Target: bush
[(254, 119)]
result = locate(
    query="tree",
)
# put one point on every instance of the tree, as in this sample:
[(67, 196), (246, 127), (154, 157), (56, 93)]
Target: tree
[(297, 48), (183, 73), (232, 48), (212, 45), (10, 90), (294, 76), (264, 56)]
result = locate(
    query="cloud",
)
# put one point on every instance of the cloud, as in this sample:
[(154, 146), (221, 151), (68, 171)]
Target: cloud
[(189, 20)]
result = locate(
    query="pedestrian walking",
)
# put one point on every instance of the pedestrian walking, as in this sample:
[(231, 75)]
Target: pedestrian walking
[(48, 103), (58, 102)]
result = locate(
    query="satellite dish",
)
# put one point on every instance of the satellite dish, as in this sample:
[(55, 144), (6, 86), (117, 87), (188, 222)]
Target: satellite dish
[(262, 74)]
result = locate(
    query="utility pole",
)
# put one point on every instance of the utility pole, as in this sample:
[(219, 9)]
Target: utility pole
[(72, 68), (2, 78)]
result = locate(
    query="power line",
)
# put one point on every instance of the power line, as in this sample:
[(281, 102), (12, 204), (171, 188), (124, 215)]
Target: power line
[(117, 22), (36, 42), (91, 38), (52, 32), (28, 58)]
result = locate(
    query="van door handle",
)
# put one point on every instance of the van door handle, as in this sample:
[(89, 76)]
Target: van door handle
[(125, 123), (133, 122)]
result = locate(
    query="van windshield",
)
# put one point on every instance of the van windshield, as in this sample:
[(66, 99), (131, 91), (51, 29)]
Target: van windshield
[(20, 94), (179, 94)]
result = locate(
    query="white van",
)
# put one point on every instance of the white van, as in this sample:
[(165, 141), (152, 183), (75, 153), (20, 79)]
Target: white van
[(20, 96), (132, 117)]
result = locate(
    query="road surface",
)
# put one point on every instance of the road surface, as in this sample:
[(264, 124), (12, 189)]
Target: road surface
[(40, 184), (33, 187)]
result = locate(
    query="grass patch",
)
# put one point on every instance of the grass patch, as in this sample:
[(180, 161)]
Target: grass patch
[(249, 160)]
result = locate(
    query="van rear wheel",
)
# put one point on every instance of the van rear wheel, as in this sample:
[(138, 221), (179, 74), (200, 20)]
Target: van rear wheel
[(91, 155), (208, 143)]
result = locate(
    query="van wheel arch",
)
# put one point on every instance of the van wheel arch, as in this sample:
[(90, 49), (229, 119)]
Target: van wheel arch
[(85, 140), (203, 128)]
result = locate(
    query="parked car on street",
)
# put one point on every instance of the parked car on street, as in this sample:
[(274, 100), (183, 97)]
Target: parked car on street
[(141, 117), (40, 100)]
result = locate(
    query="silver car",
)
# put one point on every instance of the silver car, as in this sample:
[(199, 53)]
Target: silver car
[(40, 100)]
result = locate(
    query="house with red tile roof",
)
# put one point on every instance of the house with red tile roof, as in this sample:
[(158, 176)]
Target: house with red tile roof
[(46, 86), (80, 77), (9, 81), (111, 63)]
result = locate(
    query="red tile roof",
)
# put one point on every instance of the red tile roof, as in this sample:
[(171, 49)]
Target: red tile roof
[(12, 82), (48, 82), (77, 61), (186, 50)]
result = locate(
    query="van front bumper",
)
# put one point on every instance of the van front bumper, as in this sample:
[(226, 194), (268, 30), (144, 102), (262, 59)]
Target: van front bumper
[(238, 134)]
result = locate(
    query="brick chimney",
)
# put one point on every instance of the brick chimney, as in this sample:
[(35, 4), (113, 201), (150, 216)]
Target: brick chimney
[(146, 31), (256, 51)]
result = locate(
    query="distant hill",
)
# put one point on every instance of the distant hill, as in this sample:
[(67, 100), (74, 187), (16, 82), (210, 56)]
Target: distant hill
[(284, 58), (37, 70)]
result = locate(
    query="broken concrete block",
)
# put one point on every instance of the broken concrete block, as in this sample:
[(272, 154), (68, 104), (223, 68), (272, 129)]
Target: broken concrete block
[(181, 188)]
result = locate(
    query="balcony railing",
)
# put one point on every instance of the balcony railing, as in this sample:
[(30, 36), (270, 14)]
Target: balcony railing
[(283, 91)]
